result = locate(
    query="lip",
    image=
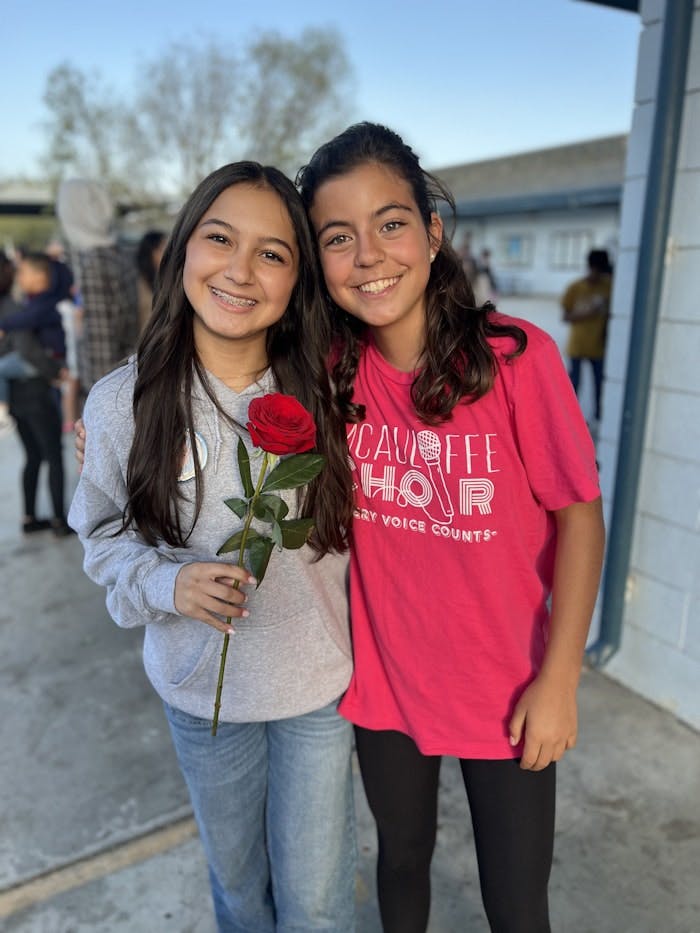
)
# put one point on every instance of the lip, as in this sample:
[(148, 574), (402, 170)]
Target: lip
[(230, 301)]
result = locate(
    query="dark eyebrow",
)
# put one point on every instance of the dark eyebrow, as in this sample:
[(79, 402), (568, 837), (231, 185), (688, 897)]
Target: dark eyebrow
[(392, 206), (262, 240)]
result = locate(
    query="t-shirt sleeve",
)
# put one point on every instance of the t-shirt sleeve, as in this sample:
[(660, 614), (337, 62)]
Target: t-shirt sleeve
[(553, 438)]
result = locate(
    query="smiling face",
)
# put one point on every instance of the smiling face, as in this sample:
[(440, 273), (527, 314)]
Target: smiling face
[(241, 266), (375, 251)]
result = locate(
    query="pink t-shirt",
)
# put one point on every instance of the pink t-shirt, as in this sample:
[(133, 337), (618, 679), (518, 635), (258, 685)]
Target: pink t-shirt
[(453, 545)]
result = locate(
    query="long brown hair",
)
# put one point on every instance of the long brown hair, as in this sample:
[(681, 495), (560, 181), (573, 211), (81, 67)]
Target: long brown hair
[(167, 364), (458, 362)]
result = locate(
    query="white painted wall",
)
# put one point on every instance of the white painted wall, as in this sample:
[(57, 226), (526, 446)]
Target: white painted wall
[(660, 652), (540, 275)]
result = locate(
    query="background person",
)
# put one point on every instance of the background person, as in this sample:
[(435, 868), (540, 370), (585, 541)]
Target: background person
[(43, 283), (33, 328), (34, 408), (467, 257), (586, 307), (484, 284), (71, 320), (105, 277), (148, 256)]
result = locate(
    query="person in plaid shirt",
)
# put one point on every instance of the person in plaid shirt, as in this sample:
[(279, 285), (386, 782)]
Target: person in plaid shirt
[(105, 277)]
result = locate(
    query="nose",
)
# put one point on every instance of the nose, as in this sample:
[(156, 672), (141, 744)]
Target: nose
[(239, 268), (369, 251)]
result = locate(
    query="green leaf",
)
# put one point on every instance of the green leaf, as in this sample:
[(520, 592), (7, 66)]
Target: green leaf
[(234, 542), (277, 538), (244, 469), (239, 506), (260, 551), (270, 508), (294, 471), (295, 532)]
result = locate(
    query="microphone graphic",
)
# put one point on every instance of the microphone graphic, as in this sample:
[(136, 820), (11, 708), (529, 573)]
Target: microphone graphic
[(430, 448)]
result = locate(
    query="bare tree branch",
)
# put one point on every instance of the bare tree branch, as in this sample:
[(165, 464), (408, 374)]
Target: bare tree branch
[(84, 120), (296, 96), (198, 105)]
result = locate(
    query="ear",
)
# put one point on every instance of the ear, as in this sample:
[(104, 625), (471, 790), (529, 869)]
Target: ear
[(435, 229)]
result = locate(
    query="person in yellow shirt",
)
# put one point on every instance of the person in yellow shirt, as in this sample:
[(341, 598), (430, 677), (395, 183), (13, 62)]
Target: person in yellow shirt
[(586, 307)]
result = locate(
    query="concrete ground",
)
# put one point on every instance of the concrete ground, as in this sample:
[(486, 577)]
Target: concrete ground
[(96, 829)]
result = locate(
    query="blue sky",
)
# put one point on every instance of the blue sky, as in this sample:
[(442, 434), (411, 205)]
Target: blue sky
[(461, 80)]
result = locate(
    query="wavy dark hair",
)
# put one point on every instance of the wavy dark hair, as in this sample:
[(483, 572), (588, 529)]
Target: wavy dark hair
[(458, 362), (145, 263), (167, 364)]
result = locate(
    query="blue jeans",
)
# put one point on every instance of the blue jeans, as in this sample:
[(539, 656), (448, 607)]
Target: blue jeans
[(274, 806)]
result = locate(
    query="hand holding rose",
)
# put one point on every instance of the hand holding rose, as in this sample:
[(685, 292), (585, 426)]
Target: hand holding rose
[(209, 592)]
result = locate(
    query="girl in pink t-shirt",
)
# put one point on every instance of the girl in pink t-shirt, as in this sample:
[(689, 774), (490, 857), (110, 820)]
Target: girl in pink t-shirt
[(477, 539)]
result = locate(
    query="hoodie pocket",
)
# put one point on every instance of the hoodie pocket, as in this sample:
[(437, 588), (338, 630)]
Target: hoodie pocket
[(192, 668)]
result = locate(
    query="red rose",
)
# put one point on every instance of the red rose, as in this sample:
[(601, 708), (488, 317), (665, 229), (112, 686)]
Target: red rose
[(280, 424)]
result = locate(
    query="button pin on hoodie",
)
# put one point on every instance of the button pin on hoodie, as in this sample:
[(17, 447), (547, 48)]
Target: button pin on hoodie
[(187, 471)]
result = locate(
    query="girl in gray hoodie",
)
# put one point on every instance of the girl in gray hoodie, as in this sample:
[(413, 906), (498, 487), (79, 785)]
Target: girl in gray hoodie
[(238, 314)]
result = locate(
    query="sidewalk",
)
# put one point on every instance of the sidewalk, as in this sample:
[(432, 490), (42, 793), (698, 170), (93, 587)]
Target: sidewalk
[(96, 833)]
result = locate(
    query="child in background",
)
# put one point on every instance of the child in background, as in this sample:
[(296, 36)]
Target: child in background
[(13, 365), (36, 417), (43, 284), (477, 500)]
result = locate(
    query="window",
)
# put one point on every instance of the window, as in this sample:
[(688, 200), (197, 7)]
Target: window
[(568, 249), (516, 249)]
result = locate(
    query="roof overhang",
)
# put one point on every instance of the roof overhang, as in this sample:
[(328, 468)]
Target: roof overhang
[(632, 6), (607, 196)]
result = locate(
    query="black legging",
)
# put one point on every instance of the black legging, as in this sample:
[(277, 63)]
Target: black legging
[(512, 815), (39, 429)]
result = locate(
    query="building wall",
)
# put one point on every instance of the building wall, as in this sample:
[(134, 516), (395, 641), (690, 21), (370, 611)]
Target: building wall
[(660, 652), (540, 253)]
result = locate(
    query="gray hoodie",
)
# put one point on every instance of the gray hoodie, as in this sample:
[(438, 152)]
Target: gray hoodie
[(291, 655)]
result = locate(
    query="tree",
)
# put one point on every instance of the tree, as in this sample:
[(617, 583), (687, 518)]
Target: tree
[(186, 109), (296, 96), (83, 126), (198, 105)]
